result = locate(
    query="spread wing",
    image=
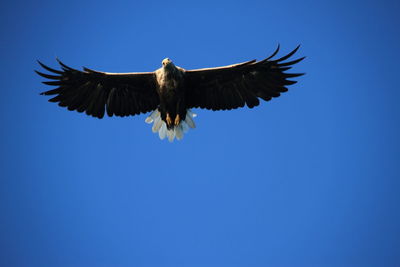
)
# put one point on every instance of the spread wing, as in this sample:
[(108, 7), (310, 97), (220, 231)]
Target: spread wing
[(234, 86), (121, 94)]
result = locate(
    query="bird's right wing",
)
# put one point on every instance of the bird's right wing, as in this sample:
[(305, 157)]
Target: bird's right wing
[(121, 94), (233, 86)]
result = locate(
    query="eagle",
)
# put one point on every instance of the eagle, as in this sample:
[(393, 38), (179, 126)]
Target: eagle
[(170, 92)]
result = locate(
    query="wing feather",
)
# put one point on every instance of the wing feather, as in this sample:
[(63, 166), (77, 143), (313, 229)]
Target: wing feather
[(240, 84), (94, 92), (49, 69)]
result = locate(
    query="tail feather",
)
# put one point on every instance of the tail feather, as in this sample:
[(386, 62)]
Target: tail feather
[(178, 131), (185, 126), (171, 135), (189, 120), (157, 124), (162, 133)]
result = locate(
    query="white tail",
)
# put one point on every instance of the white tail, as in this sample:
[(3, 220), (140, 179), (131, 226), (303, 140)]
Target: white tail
[(178, 131)]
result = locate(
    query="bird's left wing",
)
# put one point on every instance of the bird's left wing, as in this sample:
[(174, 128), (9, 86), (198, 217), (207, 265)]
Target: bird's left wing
[(93, 92), (234, 86)]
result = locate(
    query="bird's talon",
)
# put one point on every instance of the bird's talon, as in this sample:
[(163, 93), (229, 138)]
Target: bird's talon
[(177, 120), (168, 119)]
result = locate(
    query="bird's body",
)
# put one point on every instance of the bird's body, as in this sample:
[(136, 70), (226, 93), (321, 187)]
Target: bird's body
[(170, 91)]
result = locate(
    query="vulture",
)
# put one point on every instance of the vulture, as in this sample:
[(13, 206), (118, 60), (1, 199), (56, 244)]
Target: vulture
[(170, 92)]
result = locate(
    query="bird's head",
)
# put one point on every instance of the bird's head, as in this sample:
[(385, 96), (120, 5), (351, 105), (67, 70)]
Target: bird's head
[(167, 63)]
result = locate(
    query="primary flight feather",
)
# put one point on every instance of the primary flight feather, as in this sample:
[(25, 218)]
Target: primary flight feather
[(171, 91)]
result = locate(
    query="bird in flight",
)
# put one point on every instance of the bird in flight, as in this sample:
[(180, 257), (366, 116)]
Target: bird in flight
[(170, 92)]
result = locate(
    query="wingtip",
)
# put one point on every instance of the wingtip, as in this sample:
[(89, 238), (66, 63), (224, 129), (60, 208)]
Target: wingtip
[(301, 59), (272, 55), (40, 63), (290, 63), (292, 75), (48, 68), (39, 73), (288, 55), (59, 61), (275, 52), (63, 65), (295, 50), (48, 76)]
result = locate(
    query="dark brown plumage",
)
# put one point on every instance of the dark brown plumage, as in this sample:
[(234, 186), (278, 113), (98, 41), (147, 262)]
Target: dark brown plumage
[(170, 90)]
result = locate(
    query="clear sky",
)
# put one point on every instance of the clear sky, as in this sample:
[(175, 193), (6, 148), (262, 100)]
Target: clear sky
[(308, 179)]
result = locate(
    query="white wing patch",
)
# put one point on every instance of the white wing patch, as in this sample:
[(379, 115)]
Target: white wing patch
[(178, 131)]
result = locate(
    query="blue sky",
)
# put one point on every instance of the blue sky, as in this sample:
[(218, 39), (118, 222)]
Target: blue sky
[(308, 179)]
